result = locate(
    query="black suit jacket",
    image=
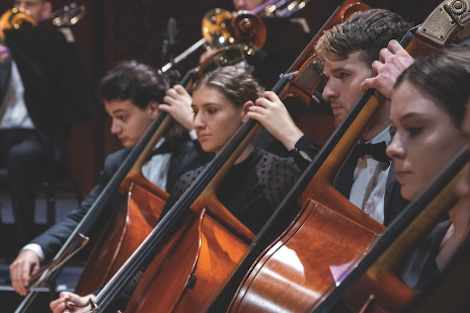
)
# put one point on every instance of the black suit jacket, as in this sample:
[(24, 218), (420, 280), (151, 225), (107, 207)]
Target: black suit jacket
[(39, 116), (183, 159), (5, 72), (394, 203)]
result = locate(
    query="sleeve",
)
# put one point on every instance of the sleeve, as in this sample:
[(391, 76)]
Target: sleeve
[(304, 152), (421, 270), (278, 179), (52, 240)]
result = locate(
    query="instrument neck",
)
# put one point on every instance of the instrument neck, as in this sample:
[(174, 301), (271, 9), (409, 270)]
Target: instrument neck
[(403, 235)]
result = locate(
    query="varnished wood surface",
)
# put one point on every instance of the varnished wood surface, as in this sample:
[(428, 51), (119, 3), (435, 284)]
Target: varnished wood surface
[(123, 234), (195, 262), (299, 268)]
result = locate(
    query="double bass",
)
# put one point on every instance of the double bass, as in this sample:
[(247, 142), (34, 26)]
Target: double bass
[(374, 283), (329, 236), (145, 201), (196, 282)]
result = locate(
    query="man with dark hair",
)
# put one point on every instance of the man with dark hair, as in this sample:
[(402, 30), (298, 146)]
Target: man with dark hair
[(348, 50), (131, 93)]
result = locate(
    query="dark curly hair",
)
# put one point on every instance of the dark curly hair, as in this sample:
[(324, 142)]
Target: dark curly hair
[(130, 80), (140, 83)]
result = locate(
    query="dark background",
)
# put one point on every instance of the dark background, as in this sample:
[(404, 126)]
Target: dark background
[(115, 30)]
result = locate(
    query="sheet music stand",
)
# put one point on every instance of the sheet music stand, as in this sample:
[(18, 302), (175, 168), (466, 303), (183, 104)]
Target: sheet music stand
[(55, 84)]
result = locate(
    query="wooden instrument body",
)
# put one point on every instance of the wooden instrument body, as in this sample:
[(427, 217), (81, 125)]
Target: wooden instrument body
[(189, 268), (321, 192), (273, 283), (123, 233), (134, 221), (298, 269), (380, 289)]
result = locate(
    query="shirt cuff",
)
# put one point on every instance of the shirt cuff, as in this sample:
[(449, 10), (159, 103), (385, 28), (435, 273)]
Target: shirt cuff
[(308, 148), (304, 152), (193, 135), (36, 248)]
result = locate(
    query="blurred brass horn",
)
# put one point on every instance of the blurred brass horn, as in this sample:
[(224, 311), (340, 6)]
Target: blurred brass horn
[(15, 19)]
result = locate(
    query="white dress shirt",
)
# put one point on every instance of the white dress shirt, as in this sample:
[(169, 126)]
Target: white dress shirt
[(155, 170), (369, 181), (16, 113)]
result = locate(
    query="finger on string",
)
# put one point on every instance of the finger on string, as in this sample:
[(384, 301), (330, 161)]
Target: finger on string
[(394, 46), (262, 102), (179, 89), (377, 66), (366, 84), (384, 55), (256, 109)]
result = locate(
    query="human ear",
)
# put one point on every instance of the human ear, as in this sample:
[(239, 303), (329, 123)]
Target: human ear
[(245, 108), (153, 109)]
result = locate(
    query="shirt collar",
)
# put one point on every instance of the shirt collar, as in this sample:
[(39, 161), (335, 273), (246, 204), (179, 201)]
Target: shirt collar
[(383, 136)]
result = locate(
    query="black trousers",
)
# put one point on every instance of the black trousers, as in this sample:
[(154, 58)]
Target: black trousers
[(24, 153)]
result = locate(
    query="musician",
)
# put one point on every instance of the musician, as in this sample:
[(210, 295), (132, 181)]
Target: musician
[(247, 5), (257, 182), (39, 9), (131, 93), (349, 49), (25, 137), (427, 111)]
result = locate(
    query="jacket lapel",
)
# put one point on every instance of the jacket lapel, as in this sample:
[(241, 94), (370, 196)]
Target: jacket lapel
[(344, 179), (5, 72)]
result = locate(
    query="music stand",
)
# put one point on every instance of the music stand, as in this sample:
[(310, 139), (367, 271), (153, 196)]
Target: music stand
[(57, 90)]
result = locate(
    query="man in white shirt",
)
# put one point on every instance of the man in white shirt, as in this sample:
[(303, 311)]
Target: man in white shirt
[(24, 139), (349, 49)]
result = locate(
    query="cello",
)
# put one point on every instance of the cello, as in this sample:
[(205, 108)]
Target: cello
[(304, 77), (299, 267), (378, 277), (136, 218), (144, 146), (189, 296), (382, 266)]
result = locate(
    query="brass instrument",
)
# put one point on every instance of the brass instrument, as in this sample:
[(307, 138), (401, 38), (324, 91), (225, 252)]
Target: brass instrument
[(21, 18), (220, 29), (284, 8), (15, 19)]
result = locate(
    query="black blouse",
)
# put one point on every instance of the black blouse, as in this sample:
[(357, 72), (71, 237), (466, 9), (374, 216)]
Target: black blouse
[(251, 190)]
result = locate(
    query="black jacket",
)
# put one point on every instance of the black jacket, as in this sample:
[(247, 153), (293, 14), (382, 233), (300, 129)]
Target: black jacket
[(183, 159)]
